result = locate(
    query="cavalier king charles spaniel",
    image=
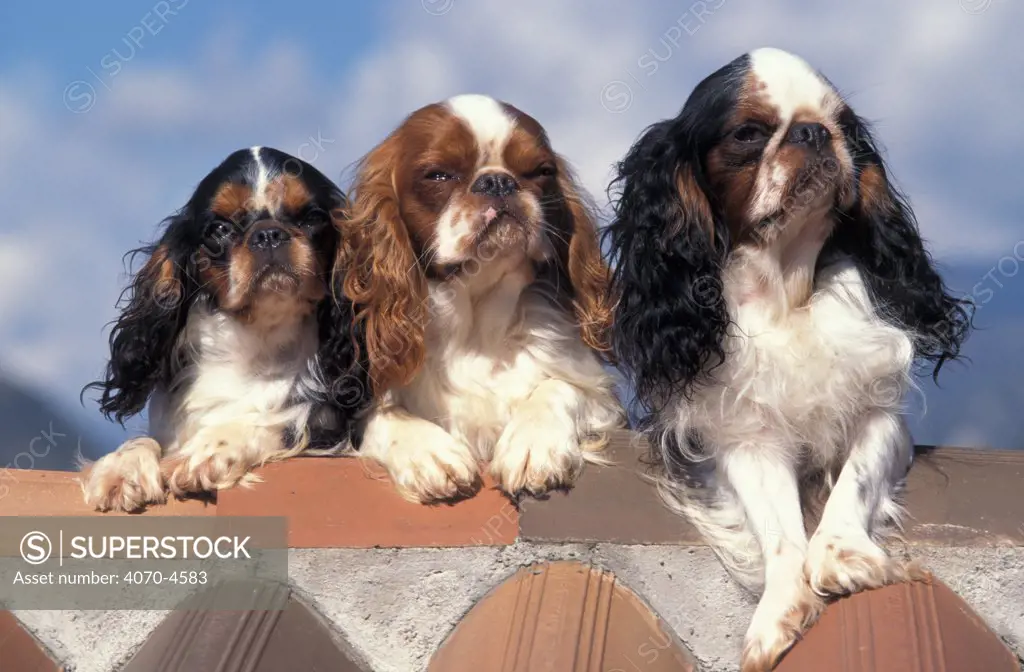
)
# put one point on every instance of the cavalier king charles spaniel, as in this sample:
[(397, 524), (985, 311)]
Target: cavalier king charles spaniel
[(773, 294), (231, 329), (475, 267)]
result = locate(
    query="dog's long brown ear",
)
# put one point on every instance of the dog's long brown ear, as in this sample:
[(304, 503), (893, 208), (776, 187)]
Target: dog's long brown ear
[(586, 268), (381, 274)]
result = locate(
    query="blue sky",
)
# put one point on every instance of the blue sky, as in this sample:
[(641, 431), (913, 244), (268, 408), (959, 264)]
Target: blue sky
[(111, 112)]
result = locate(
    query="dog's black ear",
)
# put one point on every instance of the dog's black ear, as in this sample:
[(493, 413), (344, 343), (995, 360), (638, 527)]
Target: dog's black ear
[(884, 241), (343, 367), (668, 247), (142, 341), (342, 362)]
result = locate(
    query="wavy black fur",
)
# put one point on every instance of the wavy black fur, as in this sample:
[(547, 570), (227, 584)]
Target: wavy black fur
[(667, 257), (886, 245), (344, 369), (142, 352)]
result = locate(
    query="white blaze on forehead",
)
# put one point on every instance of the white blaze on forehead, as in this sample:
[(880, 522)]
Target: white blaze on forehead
[(487, 120), (790, 83), (260, 180)]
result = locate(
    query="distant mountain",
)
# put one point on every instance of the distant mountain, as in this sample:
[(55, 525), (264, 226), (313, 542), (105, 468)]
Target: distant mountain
[(35, 435)]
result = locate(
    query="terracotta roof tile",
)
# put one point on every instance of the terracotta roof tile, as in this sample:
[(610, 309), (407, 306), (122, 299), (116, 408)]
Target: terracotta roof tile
[(57, 493), (613, 503), (954, 496), (19, 651), (281, 635), (910, 627), (561, 617), (334, 502), (960, 496)]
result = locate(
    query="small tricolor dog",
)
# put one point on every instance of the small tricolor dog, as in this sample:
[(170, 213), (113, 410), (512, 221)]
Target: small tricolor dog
[(773, 294), (231, 332), (479, 283)]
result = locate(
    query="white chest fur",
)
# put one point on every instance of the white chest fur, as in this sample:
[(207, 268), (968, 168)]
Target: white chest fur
[(803, 376), (486, 354), (240, 376)]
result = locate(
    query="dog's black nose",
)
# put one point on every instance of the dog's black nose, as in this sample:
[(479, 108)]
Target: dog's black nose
[(808, 133), (268, 238), (495, 184)]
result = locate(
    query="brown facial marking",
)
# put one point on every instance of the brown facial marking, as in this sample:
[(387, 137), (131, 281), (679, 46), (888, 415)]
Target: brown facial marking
[(732, 169), (304, 261), (807, 179), (805, 114), (231, 200), (810, 178), (301, 256), (526, 151), (520, 218), (733, 182), (230, 273), (753, 103), (288, 193), (431, 139), (238, 278), (528, 143), (218, 279)]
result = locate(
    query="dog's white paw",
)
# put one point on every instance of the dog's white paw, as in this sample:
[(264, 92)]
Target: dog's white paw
[(782, 616), (216, 458), (535, 454), (127, 479), (849, 562), (429, 464)]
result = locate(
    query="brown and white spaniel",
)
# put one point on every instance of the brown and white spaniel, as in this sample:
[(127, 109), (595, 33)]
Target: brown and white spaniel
[(475, 266)]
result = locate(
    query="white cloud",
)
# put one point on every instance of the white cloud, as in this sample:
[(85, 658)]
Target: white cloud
[(228, 92), (16, 263), (961, 232)]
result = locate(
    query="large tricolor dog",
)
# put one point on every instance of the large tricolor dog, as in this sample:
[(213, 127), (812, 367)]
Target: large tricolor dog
[(773, 295)]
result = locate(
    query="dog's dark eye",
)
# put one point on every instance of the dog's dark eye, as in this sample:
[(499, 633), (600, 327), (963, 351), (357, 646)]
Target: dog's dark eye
[(314, 218), (543, 170), (438, 176), (750, 133), (219, 229)]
